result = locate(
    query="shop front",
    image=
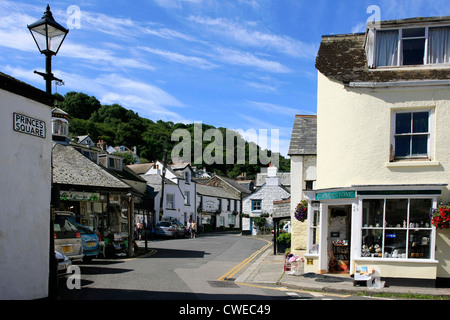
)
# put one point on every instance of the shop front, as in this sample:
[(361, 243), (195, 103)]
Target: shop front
[(386, 229)]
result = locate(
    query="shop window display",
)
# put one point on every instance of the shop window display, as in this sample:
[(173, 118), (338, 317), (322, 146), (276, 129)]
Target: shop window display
[(396, 228)]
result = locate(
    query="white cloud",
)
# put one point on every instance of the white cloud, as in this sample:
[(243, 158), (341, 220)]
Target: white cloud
[(276, 109), (254, 38), (101, 58), (247, 59), (150, 101), (180, 58), (176, 3)]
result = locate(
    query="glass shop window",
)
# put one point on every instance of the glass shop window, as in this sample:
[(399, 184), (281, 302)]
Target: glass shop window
[(396, 228)]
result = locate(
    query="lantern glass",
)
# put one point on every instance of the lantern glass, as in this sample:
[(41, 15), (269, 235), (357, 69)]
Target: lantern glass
[(48, 34)]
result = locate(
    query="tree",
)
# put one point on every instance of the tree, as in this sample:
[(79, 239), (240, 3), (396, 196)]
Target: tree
[(80, 105)]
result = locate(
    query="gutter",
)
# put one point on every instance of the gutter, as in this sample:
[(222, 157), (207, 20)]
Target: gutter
[(398, 84)]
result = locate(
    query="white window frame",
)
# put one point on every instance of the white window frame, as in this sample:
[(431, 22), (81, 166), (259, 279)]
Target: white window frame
[(170, 201), (432, 230), (260, 205), (314, 228), (431, 133), (400, 47), (187, 198)]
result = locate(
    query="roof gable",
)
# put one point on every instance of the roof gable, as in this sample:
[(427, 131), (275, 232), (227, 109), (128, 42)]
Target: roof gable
[(304, 136)]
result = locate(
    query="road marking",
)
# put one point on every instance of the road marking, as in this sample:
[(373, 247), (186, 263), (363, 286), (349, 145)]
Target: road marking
[(318, 295), (241, 265), (294, 295)]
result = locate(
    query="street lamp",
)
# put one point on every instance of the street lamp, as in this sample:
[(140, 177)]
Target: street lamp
[(49, 36)]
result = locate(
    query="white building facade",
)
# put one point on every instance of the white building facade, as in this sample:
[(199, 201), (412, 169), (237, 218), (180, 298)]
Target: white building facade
[(217, 208), (261, 201), (303, 153), (25, 128)]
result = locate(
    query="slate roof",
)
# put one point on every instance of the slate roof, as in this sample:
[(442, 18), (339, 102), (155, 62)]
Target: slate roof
[(140, 168), (70, 167), (236, 185), (217, 192), (285, 178), (304, 136), (343, 57), (23, 89)]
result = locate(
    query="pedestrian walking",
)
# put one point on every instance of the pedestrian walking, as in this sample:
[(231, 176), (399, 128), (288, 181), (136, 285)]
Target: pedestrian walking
[(139, 227), (193, 229), (188, 227)]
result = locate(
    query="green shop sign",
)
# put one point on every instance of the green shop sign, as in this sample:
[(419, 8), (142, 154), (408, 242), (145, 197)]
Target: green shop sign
[(335, 195), (79, 196)]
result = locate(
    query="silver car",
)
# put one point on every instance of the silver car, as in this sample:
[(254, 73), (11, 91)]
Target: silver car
[(67, 236), (63, 264), (169, 229)]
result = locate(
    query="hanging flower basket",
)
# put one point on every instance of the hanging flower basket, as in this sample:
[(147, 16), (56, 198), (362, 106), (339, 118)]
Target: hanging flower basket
[(441, 216), (301, 211)]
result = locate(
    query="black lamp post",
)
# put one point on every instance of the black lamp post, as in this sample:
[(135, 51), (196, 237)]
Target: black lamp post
[(49, 36)]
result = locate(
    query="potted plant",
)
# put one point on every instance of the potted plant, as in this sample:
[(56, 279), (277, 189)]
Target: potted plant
[(284, 242), (441, 216)]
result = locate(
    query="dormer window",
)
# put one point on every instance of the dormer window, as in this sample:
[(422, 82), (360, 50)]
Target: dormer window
[(412, 46)]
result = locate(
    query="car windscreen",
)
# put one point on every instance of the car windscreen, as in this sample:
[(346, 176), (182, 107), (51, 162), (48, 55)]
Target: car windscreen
[(84, 230), (164, 224), (64, 226)]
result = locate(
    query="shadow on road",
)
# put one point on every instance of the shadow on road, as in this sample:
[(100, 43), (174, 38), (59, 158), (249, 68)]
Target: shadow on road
[(176, 253)]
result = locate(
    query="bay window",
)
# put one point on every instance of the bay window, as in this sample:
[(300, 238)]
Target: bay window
[(412, 46), (397, 228)]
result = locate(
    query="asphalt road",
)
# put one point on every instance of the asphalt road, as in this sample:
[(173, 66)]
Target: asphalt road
[(181, 270), (174, 269)]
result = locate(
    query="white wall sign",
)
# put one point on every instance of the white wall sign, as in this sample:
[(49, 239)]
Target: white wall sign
[(28, 125)]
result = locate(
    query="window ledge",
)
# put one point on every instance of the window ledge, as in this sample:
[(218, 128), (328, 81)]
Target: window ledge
[(402, 260), (406, 163), (412, 67)]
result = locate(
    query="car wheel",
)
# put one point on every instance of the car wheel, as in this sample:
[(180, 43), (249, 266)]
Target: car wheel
[(87, 259)]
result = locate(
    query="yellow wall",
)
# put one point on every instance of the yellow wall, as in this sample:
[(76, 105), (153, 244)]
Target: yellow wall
[(354, 136), (354, 140)]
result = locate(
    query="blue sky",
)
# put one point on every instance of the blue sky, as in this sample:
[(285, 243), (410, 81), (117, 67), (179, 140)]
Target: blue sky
[(239, 64)]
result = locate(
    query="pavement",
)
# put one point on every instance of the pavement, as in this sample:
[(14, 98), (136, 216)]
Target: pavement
[(268, 269)]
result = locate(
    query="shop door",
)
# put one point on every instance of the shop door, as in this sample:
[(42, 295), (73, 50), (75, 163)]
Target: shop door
[(339, 235)]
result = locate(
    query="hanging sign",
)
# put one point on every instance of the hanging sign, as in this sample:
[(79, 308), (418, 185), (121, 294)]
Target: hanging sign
[(28, 125), (79, 196)]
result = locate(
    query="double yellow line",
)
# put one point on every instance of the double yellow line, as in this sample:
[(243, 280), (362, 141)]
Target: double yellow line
[(230, 274)]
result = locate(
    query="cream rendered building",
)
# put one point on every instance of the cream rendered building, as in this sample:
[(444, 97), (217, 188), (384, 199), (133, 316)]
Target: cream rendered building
[(383, 157), (303, 153)]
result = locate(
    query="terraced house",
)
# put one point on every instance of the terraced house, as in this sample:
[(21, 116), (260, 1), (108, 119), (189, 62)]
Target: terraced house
[(383, 160)]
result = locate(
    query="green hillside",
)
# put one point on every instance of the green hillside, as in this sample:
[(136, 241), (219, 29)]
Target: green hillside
[(117, 126)]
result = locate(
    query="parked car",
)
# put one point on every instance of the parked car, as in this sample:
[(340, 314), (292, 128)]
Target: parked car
[(89, 242), (169, 229), (67, 236), (63, 263)]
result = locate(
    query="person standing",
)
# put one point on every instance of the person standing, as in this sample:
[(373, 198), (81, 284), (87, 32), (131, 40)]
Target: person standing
[(188, 227), (139, 227), (193, 229)]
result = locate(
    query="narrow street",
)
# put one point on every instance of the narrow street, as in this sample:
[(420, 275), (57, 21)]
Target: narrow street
[(174, 269), (182, 269)]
